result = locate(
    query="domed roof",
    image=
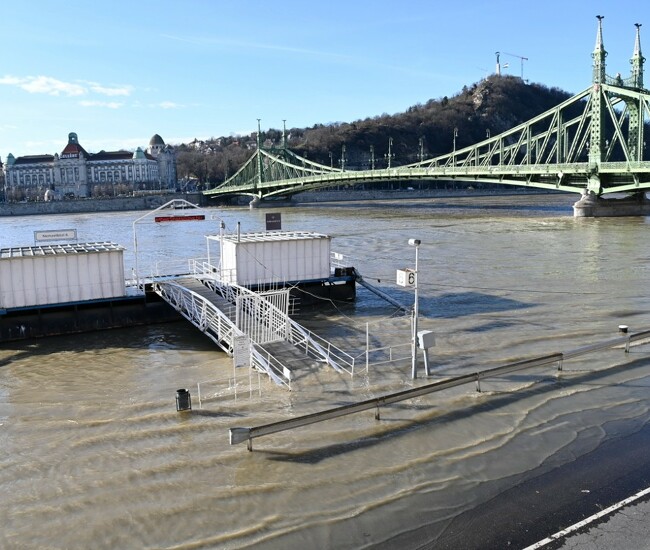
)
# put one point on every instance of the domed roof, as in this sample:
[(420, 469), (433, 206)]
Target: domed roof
[(139, 153), (156, 140)]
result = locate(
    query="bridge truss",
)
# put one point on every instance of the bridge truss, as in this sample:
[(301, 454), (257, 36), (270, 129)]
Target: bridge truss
[(592, 143)]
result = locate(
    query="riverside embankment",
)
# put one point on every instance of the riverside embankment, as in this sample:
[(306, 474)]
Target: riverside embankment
[(149, 202), (113, 204)]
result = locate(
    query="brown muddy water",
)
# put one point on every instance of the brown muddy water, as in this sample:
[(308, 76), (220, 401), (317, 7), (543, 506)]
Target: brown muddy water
[(94, 454)]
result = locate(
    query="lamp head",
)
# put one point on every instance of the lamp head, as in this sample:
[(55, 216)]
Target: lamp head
[(414, 242)]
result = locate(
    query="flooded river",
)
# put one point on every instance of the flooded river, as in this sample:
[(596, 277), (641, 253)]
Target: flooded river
[(94, 454)]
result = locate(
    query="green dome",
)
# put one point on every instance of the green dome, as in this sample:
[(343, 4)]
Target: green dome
[(139, 153)]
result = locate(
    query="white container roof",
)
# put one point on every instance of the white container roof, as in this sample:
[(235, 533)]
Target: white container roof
[(272, 236), (58, 249)]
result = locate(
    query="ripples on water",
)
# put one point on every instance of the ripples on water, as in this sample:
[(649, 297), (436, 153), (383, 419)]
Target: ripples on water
[(95, 455)]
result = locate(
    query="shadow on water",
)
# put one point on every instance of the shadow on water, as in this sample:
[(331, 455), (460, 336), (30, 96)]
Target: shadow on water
[(470, 303), (448, 306), (491, 403), (165, 336), (215, 414)]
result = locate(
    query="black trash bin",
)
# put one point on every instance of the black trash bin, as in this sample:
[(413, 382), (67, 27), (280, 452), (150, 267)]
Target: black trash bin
[(183, 400)]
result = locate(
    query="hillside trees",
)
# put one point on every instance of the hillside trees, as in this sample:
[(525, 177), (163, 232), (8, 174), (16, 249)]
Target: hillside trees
[(490, 106)]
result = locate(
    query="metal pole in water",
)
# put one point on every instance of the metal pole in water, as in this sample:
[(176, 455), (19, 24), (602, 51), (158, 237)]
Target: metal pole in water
[(414, 349), (367, 345)]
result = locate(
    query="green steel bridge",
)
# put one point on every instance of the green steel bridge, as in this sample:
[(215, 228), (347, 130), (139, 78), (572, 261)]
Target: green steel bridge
[(592, 144)]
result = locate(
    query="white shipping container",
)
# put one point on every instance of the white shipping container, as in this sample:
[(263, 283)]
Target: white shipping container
[(58, 274), (279, 256)]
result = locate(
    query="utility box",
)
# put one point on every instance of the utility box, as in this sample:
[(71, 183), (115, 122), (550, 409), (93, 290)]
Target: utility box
[(277, 257), (426, 339), (60, 273)]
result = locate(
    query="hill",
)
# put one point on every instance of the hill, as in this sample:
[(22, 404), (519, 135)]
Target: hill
[(488, 107)]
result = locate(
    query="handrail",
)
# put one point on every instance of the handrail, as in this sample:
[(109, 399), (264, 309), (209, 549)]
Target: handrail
[(278, 372), (239, 434), (334, 356), (326, 350), (179, 296), (216, 324)]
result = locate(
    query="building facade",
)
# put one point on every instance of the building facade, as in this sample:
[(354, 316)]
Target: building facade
[(76, 173)]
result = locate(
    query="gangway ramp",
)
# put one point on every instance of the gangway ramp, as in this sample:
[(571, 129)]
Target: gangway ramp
[(204, 308), (233, 317)]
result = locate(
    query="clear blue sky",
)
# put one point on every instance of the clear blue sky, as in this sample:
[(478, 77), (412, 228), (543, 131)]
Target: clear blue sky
[(117, 72)]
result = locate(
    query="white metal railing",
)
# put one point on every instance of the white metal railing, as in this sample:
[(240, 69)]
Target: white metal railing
[(200, 312), (217, 325), (260, 319), (297, 335), (172, 268), (231, 388), (262, 359), (338, 260), (388, 331), (386, 354), (321, 349)]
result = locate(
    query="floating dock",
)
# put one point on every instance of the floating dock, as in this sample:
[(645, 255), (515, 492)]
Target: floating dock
[(57, 289)]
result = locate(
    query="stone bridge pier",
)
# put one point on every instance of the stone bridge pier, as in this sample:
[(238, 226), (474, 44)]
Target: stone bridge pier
[(592, 206)]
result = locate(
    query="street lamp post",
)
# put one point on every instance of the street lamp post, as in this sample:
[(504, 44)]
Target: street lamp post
[(389, 155), (414, 335), (372, 157), (342, 161)]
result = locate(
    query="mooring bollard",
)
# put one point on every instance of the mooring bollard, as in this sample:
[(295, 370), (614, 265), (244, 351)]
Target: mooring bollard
[(183, 400), (623, 329)]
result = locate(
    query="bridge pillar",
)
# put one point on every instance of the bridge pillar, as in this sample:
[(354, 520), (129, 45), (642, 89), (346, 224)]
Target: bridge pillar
[(273, 203), (592, 206)]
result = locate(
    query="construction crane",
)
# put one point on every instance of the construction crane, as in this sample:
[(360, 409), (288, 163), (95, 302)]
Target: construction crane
[(521, 59)]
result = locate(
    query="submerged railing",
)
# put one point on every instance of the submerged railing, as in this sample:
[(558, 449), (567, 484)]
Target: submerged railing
[(239, 435), (302, 338)]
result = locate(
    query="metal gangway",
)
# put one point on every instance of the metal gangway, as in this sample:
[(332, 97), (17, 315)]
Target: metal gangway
[(254, 328)]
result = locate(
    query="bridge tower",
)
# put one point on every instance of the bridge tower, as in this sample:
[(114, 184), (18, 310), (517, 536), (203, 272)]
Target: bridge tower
[(597, 109), (637, 60), (604, 90), (635, 135)]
